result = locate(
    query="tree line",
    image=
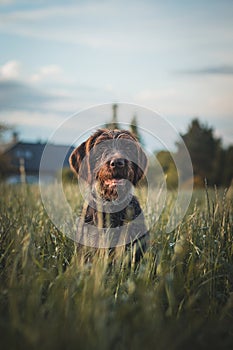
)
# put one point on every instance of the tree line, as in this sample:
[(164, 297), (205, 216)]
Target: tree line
[(212, 163)]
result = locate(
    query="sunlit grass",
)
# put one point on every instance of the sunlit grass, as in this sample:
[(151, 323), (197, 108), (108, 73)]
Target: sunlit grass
[(179, 296)]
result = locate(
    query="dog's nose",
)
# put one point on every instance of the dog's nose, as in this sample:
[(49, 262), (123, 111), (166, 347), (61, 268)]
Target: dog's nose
[(117, 163)]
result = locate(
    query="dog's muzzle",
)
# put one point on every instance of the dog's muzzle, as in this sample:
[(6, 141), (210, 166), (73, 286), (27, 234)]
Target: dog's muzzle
[(117, 163)]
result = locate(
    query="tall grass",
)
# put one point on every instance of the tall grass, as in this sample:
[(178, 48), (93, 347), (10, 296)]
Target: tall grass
[(179, 296)]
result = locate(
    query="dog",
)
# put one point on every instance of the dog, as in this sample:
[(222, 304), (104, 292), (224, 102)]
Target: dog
[(109, 164)]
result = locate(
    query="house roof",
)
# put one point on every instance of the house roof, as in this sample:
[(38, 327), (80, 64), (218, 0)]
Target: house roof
[(56, 156)]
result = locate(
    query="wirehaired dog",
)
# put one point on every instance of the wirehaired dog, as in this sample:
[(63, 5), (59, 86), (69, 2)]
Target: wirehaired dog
[(110, 163)]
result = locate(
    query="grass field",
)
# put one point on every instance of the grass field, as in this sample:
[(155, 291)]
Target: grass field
[(180, 296)]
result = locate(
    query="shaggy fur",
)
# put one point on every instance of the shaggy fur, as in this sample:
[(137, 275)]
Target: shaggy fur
[(111, 162)]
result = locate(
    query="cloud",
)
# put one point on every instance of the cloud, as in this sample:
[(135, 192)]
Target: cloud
[(10, 70), (214, 70), (94, 25), (54, 11), (18, 95), (26, 92), (62, 24), (49, 90), (151, 26), (51, 71)]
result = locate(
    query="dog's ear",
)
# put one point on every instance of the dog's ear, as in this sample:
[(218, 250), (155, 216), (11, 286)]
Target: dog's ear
[(76, 159), (141, 166), (80, 157)]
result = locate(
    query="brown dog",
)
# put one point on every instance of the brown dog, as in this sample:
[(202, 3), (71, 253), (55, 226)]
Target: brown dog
[(111, 162)]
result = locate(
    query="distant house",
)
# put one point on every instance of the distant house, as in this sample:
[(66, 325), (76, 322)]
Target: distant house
[(31, 161)]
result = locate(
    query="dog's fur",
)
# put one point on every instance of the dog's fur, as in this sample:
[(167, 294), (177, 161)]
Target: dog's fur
[(112, 162)]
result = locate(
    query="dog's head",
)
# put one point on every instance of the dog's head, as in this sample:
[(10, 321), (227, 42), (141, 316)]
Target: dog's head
[(110, 159)]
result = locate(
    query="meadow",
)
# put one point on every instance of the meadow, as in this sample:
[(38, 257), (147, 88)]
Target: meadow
[(180, 296)]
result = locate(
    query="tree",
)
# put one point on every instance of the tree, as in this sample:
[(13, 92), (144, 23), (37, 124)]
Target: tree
[(227, 169), (114, 123), (5, 166), (169, 169), (204, 150), (134, 129)]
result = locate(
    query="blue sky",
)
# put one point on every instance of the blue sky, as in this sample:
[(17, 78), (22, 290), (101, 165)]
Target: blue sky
[(60, 57)]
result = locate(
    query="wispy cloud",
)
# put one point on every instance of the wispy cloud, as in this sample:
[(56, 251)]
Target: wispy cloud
[(212, 70), (103, 24), (148, 27), (18, 95), (47, 72), (48, 89), (25, 92), (66, 24)]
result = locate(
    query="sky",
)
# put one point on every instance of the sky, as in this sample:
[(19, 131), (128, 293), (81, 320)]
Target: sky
[(61, 57)]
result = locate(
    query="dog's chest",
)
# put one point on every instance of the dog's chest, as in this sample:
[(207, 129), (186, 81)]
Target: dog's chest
[(104, 219)]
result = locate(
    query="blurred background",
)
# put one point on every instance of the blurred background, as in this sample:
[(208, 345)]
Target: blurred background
[(60, 57)]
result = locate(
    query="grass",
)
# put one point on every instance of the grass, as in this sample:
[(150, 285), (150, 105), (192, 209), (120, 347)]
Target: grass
[(179, 296)]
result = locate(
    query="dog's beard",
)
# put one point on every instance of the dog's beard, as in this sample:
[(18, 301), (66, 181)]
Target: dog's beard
[(113, 189), (114, 185)]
